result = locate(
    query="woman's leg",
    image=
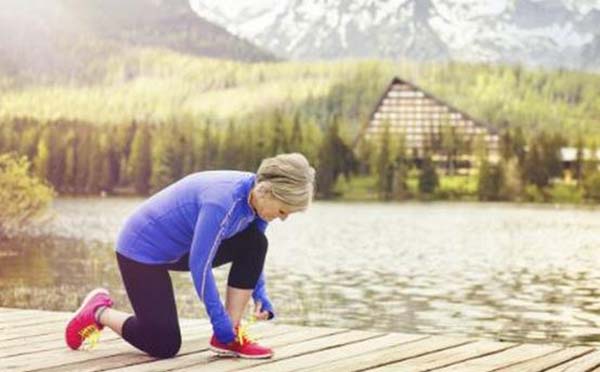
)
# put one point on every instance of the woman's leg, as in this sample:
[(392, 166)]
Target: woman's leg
[(154, 328), (235, 302), (113, 319), (246, 251)]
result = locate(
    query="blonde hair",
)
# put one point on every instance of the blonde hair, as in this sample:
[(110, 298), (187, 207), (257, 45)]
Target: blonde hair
[(289, 178)]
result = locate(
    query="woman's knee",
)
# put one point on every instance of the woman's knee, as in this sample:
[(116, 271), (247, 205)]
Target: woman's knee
[(258, 242), (252, 241), (261, 244), (254, 251), (164, 344)]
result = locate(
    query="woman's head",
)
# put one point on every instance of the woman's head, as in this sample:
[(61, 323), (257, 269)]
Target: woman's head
[(284, 184)]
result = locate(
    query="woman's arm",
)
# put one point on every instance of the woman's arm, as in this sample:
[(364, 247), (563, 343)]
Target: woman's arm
[(208, 233), (260, 292)]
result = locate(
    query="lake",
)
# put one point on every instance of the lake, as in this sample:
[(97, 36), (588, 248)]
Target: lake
[(528, 273)]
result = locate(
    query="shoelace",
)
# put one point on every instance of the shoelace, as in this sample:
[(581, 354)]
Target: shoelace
[(90, 335), (243, 335)]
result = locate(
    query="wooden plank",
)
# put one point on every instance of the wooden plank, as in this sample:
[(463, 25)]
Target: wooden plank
[(8, 309), (24, 315), (50, 342), (13, 310), (122, 359), (196, 356), (446, 357), (16, 310), (322, 358), (56, 342), (58, 333), (302, 334), (45, 329), (24, 342), (34, 340), (300, 348), (189, 354), (55, 358), (32, 332), (64, 355), (503, 359), (422, 346), (549, 361), (32, 322), (586, 363)]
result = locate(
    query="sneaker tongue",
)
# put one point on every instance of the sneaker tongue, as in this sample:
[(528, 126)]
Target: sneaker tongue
[(242, 336)]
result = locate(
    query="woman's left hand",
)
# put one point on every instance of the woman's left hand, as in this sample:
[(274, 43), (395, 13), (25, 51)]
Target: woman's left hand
[(260, 315)]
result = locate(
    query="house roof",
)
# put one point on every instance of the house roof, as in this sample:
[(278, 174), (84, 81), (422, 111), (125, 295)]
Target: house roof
[(397, 80)]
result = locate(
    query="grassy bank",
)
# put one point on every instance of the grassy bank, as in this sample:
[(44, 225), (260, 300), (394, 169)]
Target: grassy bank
[(454, 188)]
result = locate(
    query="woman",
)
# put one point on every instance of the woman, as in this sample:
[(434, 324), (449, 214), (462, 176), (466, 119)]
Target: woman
[(204, 220)]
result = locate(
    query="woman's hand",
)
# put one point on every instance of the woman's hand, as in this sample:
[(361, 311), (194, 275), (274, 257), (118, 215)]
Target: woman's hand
[(260, 315)]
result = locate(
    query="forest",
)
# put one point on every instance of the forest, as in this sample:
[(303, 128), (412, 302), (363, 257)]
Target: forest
[(146, 117)]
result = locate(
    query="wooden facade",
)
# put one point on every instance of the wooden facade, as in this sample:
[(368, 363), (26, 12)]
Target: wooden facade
[(423, 120)]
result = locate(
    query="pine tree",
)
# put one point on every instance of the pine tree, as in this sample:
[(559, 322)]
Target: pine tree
[(506, 145), (534, 171), (551, 154), (95, 166), (41, 162), (328, 167), (122, 151), (70, 163), (491, 182), (385, 170), (450, 144), (229, 156), (428, 178), (518, 145), (140, 161), (188, 148), (591, 182), (335, 158), (579, 161), (261, 147), (209, 148), (279, 143), (167, 158), (57, 156), (400, 187), (296, 138)]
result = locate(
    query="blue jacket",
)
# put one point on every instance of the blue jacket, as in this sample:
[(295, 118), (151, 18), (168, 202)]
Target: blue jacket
[(194, 215)]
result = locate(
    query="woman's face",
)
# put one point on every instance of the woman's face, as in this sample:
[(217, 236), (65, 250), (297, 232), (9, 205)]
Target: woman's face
[(270, 208)]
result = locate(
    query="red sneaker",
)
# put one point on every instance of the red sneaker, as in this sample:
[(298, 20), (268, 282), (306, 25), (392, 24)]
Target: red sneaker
[(83, 324), (242, 347)]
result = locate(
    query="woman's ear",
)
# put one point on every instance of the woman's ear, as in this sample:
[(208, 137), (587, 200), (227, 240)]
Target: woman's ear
[(264, 188)]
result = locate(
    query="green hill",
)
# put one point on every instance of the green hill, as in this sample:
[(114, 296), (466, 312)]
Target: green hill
[(158, 85)]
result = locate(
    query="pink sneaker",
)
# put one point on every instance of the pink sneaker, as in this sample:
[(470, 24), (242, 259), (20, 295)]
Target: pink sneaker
[(83, 324), (242, 346)]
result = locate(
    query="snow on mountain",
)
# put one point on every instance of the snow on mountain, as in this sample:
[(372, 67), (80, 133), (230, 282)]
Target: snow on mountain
[(556, 33)]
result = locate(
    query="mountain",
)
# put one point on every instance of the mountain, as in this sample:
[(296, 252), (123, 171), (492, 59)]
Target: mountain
[(58, 38), (552, 33)]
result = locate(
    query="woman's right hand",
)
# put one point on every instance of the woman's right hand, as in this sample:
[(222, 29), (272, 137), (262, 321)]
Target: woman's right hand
[(260, 315)]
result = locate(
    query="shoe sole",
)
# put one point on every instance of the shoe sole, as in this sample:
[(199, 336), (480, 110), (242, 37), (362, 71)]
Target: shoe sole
[(85, 301), (229, 353)]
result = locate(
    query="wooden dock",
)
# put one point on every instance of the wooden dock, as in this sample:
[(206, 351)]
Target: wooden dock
[(32, 340)]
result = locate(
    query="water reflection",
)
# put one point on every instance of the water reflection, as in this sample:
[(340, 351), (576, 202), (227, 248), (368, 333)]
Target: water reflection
[(506, 272)]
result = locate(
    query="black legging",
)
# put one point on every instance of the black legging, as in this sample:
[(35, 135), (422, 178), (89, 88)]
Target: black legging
[(154, 328)]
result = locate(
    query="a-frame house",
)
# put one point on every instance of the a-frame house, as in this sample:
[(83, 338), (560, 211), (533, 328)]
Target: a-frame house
[(423, 121)]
